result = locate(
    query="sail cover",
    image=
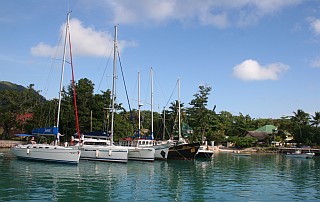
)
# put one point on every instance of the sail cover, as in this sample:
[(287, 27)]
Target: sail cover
[(45, 131)]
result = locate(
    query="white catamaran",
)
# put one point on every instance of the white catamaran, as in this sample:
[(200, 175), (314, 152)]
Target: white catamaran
[(100, 147), (46, 152), (97, 146)]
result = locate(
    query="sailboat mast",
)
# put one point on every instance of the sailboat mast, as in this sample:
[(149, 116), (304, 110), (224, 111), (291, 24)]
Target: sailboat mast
[(139, 105), (151, 75), (74, 87), (164, 123), (113, 83), (179, 109), (62, 70)]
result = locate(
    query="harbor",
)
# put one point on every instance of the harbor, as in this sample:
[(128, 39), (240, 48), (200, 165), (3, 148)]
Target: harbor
[(259, 177)]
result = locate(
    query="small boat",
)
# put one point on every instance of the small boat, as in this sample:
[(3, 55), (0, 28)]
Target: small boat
[(204, 152), (299, 154), (240, 153)]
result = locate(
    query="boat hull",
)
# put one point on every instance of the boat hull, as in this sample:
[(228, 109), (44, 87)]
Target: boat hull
[(161, 148), (141, 154), (204, 154), (105, 153), (304, 156), (184, 151), (43, 152), (161, 153)]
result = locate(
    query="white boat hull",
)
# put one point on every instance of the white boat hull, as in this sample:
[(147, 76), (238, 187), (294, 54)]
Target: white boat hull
[(161, 148), (105, 153), (44, 152), (161, 152), (141, 154), (299, 154), (306, 155)]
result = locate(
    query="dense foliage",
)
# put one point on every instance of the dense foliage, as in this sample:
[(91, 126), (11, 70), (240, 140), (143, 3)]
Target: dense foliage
[(198, 122)]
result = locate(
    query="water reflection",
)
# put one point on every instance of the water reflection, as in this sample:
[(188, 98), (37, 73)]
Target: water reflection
[(266, 177)]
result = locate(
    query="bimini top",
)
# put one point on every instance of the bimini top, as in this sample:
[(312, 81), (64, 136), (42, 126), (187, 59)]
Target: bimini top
[(46, 131)]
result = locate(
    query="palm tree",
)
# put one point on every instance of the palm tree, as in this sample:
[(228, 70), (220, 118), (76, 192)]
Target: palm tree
[(316, 122), (301, 118), (315, 119)]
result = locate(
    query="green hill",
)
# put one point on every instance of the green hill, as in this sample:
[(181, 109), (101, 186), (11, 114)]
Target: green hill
[(6, 85)]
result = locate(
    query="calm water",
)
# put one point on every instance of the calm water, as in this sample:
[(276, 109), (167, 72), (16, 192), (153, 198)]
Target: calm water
[(261, 177)]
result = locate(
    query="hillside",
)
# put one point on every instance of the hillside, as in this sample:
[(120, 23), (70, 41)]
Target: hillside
[(6, 85)]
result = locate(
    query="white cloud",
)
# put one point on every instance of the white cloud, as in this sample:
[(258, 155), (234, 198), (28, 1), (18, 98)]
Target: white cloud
[(86, 41), (315, 63), (250, 70), (315, 25), (43, 49), (219, 13)]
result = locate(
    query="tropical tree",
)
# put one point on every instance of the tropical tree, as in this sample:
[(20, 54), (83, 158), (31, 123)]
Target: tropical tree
[(315, 119), (315, 122), (301, 119), (172, 125), (16, 103), (198, 115), (242, 142), (8, 110)]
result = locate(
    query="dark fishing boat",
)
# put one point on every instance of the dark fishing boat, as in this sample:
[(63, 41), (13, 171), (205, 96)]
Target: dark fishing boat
[(182, 149)]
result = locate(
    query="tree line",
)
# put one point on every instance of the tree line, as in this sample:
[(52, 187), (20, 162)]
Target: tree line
[(198, 122)]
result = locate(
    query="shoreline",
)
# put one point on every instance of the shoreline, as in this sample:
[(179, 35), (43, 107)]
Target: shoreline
[(9, 143)]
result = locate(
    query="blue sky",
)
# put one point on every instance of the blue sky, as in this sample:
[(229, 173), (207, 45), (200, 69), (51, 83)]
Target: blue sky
[(261, 58)]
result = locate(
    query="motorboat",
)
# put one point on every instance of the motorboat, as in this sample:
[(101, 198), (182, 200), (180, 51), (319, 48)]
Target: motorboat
[(299, 154), (240, 153)]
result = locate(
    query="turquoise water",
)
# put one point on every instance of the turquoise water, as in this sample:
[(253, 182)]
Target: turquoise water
[(260, 177)]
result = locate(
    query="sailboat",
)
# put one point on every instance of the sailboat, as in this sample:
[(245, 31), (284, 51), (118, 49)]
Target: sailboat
[(43, 151), (99, 146), (161, 148), (140, 151), (181, 149)]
